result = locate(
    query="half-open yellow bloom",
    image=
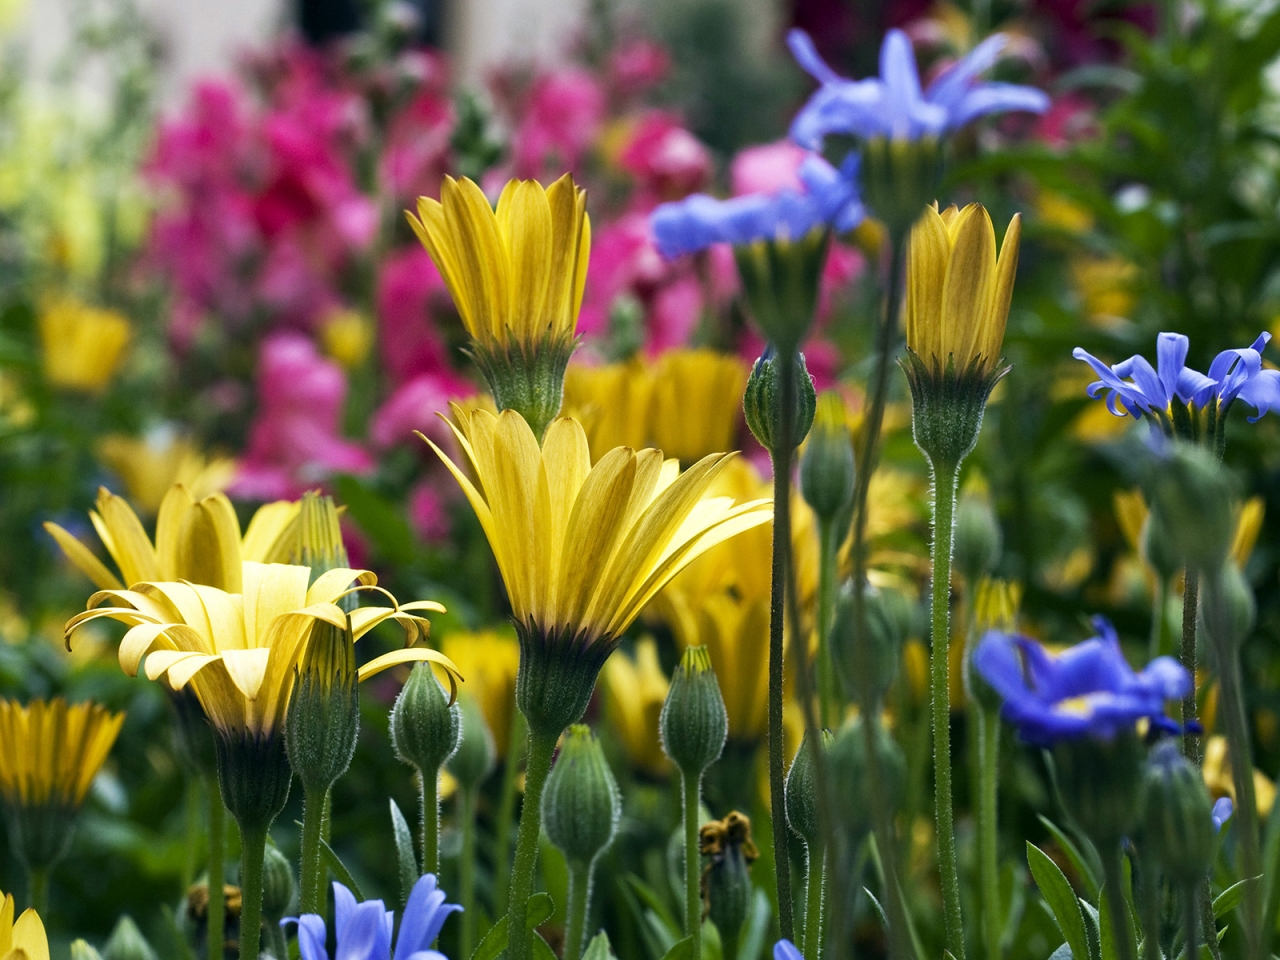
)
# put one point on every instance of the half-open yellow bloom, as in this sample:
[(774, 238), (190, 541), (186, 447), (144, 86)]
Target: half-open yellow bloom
[(50, 752), (958, 290), (238, 651), (583, 548), (151, 464), (697, 402), (517, 274), (196, 540), (25, 939), (613, 403), (82, 345)]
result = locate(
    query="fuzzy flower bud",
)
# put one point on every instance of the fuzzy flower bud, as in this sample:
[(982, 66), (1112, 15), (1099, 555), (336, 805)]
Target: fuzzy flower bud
[(888, 620), (581, 803), (1227, 607), (978, 535), (476, 753), (850, 767), (898, 175), (127, 943), (1101, 782), (802, 794), (425, 728), (1177, 818), (762, 403), (277, 885), (726, 882), (780, 278), (693, 722), (1191, 498), (826, 467)]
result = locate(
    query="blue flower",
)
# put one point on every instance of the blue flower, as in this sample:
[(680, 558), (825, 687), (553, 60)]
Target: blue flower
[(1088, 690), (830, 198), (786, 950), (893, 104), (364, 929), (1222, 810), (1132, 387)]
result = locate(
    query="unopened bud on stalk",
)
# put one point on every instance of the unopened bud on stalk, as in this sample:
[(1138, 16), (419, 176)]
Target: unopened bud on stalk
[(978, 536), (277, 886), (1227, 607), (1191, 497), (1159, 551), (425, 728), (781, 279), (1177, 820), (581, 804), (1101, 784), (82, 950), (888, 620), (693, 722), (127, 943), (762, 403), (323, 721), (851, 768), (802, 792), (826, 467), (476, 754), (726, 883)]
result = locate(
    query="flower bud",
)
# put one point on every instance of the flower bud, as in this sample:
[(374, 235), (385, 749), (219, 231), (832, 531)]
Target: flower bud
[(802, 793), (693, 722), (726, 882), (277, 885), (82, 950), (874, 663), (127, 943), (898, 177), (319, 543), (425, 729), (780, 279), (323, 720), (581, 803), (1101, 784), (978, 535), (1177, 818), (826, 467), (476, 754), (1227, 607), (762, 403), (1191, 504), (850, 768)]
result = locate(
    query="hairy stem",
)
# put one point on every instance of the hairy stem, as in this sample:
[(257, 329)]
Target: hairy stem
[(1113, 888), (1190, 600), (430, 784), (691, 785), (988, 830), (253, 845), (216, 927), (777, 590), (507, 811), (1235, 724), (542, 749), (828, 570), (311, 871), (815, 888), (576, 910), (467, 870)]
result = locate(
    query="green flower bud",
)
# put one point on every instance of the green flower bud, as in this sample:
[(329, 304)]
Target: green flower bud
[(978, 536), (693, 723), (726, 882), (277, 885), (127, 943), (323, 721), (850, 768), (1101, 784), (826, 467), (1177, 818), (81, 950), (1158, 551), (762, 403), (476, 754), (802, 794), (1227, 607), (888, 619), (319, 543), (425, 729), (581, 803), (1191, 498), (781, 279)]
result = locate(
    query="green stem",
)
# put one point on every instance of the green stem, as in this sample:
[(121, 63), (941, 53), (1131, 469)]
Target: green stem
[(576, 910), (542, 749), (311, 872), (253, 845), (828, 570), (467, 869), (1113, 887), (507, 811), (38, 888), (277, 942), (777, 591), (191, 829), (216, 926), (1235, 723), (815, 888), (946, 478), (1190, 598), (1149, 892), (691, 791), (1155, 646), (430, 820), (1191, 917), (988, 830)]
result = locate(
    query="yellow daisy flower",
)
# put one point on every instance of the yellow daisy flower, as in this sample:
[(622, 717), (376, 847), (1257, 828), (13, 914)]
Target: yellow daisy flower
[(24, 939)]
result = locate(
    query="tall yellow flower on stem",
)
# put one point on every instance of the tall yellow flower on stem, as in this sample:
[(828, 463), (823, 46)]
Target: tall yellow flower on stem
[(239, 653), (581, 549), (49, 754), (516, 275), (25, 939)]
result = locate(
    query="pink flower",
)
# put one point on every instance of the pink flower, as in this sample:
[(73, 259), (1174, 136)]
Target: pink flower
[(1069, 119), (414, 407), (674, 314), (561, 117), (668, 161), (623, 260), (638, 65), (408, 284), (768, 168), (294, 442), (427, 511), (416, 157)]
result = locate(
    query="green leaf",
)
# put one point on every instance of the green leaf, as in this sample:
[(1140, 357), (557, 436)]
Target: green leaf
[(681, 950), (540, 949), (1061, 899), (651, 900), (599, 948), (539, 911), (1230, 898), (340, 870), (1086, 870), (752, 943), (404, 852)]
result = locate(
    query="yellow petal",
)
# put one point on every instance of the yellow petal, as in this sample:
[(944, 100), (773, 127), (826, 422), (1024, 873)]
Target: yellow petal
[(928, 251), (1002, 295), (83, 559), (481, 256), (169, 530), (524, 218), (432, 230), (270, 523), (334, 583), (271, 589), (130, 545), (595, 528), (409, 655), (29, 936), (247, 669), (967, 291)]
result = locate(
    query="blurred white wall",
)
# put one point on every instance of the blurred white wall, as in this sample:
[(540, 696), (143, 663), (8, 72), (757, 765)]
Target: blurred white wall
[(482, 33)]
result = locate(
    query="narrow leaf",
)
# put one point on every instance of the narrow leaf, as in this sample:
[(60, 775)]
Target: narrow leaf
[(1061, 899), (340, 870), (405, 853)]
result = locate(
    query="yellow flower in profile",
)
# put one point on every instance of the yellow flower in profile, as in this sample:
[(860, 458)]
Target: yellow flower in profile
[(82, 345), (697, 402), (488, 659), (196, 540), (50, 752), (635, 690), (581, 548), (24, 939), (239, 652), (151, 464), (612, 402), (958, 290)]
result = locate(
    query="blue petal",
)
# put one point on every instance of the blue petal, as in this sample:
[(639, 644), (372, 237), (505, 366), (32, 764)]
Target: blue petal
[(1166, 678), (949, 86), (424, 915), (785, 950), (363, 933), (806, 54), (1262, 393), (311, 936), (344, 905), (996, 98), (902, 94), (1222, 811), (1171, 357)]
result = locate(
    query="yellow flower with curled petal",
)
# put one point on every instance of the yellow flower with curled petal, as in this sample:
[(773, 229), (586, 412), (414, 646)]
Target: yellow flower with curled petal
[(51, 751), (82, 345), (583, 548), (24, 939), (488, 659), (697, 402), (635, 690), (150, 465), (612, 402), (238, 652)]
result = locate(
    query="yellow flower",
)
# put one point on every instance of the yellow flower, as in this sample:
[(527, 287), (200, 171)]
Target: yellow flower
[(1105, 286), (347, 336), (1218, 777), (958, 290), (697, 401), (151, 464), (995, 605), (198, 541), (238, 651), (50, 752), (736, 634), (635, 691), (517, 274), (82, 345), (488, 660), (612, 402), (25, 939)]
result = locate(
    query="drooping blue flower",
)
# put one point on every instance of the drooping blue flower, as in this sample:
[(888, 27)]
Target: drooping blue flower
[(1088, 690), (786, 950), (1222, 810), (893, 104), (830, 198), (364, 930), (1132, 387)]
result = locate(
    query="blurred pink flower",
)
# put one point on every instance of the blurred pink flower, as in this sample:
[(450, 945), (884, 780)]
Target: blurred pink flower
[(638, 65), (674, 314), (667, 160), (414, 407), (1069, 119), (410, 343), (623, 260), (294, 442), (427, 511), (768, 168), (416, 157), (559, 118)]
